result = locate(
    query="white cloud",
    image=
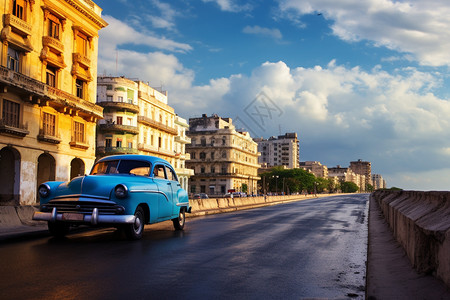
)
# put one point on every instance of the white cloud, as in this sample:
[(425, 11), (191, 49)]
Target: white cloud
[(257, 30), (230, 5), (167, 16), (418, 27), (118, 32)]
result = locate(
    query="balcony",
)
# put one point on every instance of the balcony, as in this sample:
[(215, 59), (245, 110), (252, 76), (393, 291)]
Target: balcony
[(116, 150), (119, 106), (158, 125), (184, 172), (21, 81), (118, 128), (48, 137), (18, 25), (74, 143), (182, 139), (53, 43), (9, 128), (81, 59), (70, 101), (60, 100)]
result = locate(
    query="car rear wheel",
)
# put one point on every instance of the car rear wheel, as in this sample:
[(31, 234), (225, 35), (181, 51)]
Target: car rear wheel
[(135, 231), (179, 222), (58, 229)]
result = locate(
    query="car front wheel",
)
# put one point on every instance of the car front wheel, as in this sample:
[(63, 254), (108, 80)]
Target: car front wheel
[(178, 222), (135, 231)]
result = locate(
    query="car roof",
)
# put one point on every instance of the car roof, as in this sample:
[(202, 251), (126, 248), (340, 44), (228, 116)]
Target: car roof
[(148, 158)]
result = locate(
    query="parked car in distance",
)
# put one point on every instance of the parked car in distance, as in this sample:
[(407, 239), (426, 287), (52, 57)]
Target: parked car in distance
[(239, 194), (201, 196), (127, 191)]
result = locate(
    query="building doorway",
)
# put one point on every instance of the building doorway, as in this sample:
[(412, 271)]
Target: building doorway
[(45, 170), (9, 176), (77, 168)]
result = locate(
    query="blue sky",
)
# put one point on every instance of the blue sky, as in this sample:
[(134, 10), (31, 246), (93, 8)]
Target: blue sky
[(356, 79)]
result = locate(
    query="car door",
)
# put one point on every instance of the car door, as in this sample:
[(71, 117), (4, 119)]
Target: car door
[(175, 186), (165, 191)]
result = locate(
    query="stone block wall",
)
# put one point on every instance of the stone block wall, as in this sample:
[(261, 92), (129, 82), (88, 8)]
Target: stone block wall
[(420, 221)]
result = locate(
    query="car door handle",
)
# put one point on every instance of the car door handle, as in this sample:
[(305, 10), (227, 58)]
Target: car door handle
[(168, 183)]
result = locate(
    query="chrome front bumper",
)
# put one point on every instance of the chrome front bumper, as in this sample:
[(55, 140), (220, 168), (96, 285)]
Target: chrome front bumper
[(92, 219)]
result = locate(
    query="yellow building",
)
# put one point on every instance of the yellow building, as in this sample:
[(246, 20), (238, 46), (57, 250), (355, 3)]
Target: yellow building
[(47, 100), (223, 159)]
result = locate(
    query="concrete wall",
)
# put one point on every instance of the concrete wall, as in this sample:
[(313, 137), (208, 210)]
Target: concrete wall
[(217, 205), (420, 221)]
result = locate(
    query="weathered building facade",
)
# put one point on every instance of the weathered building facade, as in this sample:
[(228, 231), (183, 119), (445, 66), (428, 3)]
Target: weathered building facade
[(47, 100), (223, 158)]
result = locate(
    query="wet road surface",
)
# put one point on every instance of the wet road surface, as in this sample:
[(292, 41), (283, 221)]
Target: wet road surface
[(308, 249)]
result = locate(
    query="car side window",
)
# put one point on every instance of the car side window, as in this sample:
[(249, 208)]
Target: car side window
[(171, 174), (135, 167), (159, 172)]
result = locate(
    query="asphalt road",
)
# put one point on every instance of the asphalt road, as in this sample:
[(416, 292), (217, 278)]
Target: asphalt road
[(313, 248)]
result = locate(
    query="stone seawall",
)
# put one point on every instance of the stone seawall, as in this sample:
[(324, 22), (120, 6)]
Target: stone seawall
[(217, 205), (420, 221)]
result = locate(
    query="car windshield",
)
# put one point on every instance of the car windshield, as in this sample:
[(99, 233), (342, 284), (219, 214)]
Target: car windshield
[(133, 167)]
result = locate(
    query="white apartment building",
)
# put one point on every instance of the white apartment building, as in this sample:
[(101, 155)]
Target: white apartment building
[(378, 182), (283, 150)]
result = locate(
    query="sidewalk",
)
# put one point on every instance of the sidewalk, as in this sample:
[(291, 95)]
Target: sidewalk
[(389, 272)]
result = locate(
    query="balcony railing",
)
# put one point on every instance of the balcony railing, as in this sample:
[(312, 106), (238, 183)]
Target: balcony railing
[(183, 139), (53, 43), (18, 25), (81, 59), (150, 122), (19, 130), (119, 128), (120, 105), (57, 96), (116, 150), (77, 103)]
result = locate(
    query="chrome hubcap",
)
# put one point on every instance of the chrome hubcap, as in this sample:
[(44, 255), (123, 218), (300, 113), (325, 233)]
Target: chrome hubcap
[(137, 224)]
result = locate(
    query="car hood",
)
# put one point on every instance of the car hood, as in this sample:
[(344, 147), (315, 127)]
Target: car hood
[(102, 185)]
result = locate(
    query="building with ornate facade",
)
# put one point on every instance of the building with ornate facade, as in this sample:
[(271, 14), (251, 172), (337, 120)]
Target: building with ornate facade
[(47, 102), (138, 120), (283, 150), (224, 159)]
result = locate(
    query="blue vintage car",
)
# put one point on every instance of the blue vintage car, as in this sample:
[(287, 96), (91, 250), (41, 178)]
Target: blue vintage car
[(127, 191)]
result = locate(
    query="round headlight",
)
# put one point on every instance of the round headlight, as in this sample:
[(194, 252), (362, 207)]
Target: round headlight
[(121, 191), (44, 190)]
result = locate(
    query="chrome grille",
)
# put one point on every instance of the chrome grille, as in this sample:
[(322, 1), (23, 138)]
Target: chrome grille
[(84, 207)]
